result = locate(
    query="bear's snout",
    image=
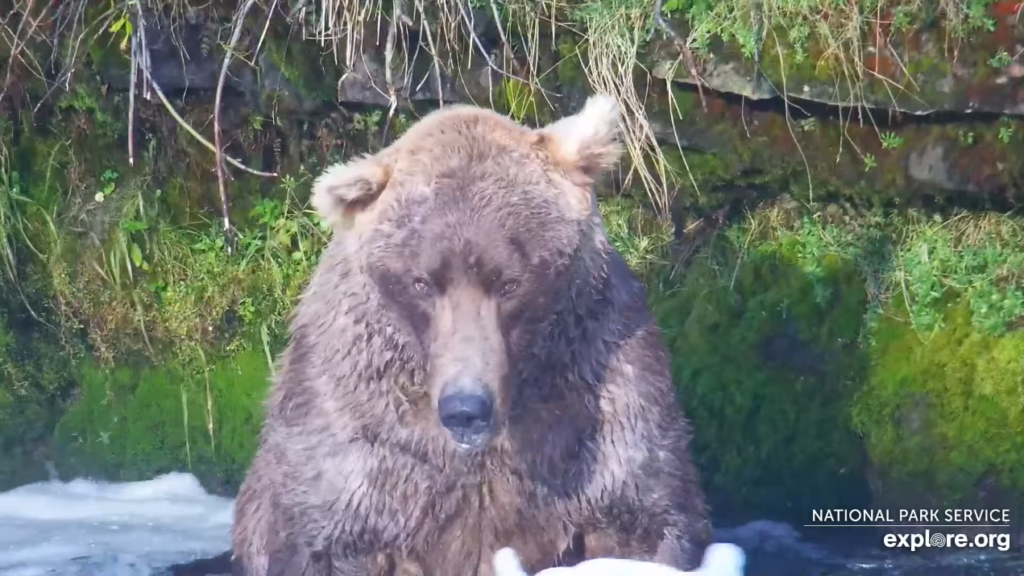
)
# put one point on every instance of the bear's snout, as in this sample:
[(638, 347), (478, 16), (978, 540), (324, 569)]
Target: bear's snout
[(468, 416)]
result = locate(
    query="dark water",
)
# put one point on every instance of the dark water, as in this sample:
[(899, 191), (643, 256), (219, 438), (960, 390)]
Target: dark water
[(776, 549)]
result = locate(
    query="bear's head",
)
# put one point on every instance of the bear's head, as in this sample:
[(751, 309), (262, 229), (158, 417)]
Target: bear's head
[(474, 232)]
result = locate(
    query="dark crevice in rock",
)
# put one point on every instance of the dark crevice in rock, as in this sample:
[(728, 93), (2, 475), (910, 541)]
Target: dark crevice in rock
[(930, 169), (803, 109), (217, 565)]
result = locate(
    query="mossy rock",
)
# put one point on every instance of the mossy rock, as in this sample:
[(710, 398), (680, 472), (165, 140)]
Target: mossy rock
[(34, 376), (765, 361), (132, 423), (943, 413), (304, 69)]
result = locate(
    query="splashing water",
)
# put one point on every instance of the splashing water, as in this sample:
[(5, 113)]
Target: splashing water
[(132, 528)]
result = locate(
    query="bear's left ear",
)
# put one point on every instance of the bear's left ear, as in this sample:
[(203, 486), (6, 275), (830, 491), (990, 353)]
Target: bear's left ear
[(343, 191), (586, 143)]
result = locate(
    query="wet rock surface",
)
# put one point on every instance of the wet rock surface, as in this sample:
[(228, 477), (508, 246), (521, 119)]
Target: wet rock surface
[(216, 566)]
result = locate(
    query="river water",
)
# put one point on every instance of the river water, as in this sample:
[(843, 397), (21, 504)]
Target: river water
[(82, 527)]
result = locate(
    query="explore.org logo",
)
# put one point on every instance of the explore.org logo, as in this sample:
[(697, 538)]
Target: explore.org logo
[(939, 526), (914, 542)]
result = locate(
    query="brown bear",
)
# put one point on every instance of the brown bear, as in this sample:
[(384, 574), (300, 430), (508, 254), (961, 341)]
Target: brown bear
[(472, 366)]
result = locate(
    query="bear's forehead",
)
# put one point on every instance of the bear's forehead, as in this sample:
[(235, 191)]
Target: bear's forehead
[(470, 238), (459, 233), (473, 216), (478, 193)]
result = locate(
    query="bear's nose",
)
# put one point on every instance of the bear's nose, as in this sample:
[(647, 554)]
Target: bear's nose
[(461, 412)]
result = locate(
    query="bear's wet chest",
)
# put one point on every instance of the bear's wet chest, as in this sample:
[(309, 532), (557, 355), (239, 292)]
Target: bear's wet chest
[(465, 526)]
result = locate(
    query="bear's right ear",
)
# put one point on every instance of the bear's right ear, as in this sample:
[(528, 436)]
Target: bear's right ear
[(588, 142), (342, 191)]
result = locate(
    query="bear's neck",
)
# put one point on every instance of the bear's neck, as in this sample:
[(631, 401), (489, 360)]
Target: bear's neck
[(606, 306)]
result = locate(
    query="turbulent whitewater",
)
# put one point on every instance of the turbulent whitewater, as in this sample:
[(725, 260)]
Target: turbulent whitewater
[(131, 528)]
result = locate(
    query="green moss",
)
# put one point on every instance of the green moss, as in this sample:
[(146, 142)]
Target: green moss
[(116, 260), (91, 113), (132, 422), (571, 52), (707, 170), (303, 66), (762, 331), (34, 371), (784, 352), (940, 413), (721, 178), (788, 59), (685, 104), (143, 283), (641, 238), (110, 51), (762, 356)]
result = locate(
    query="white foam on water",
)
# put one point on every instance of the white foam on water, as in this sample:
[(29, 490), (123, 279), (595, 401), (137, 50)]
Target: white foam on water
[(128, 528)]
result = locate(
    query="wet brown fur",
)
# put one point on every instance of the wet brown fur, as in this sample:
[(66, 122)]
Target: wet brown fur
[(354, 474)]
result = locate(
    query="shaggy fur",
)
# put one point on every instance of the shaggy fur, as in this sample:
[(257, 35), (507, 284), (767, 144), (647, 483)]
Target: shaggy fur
[(471, 250)]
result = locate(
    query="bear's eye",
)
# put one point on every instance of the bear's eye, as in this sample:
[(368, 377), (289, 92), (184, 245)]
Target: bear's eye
[(508, 287), (421, 284)]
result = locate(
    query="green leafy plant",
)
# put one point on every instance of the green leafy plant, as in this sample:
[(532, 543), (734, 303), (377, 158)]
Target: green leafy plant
[(1002, 59), (1006, 130), (891, 140)]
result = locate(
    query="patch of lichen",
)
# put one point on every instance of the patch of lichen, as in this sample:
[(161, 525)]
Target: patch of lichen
[(856, 72), (942, 411), (792, 62), (134, 421)]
